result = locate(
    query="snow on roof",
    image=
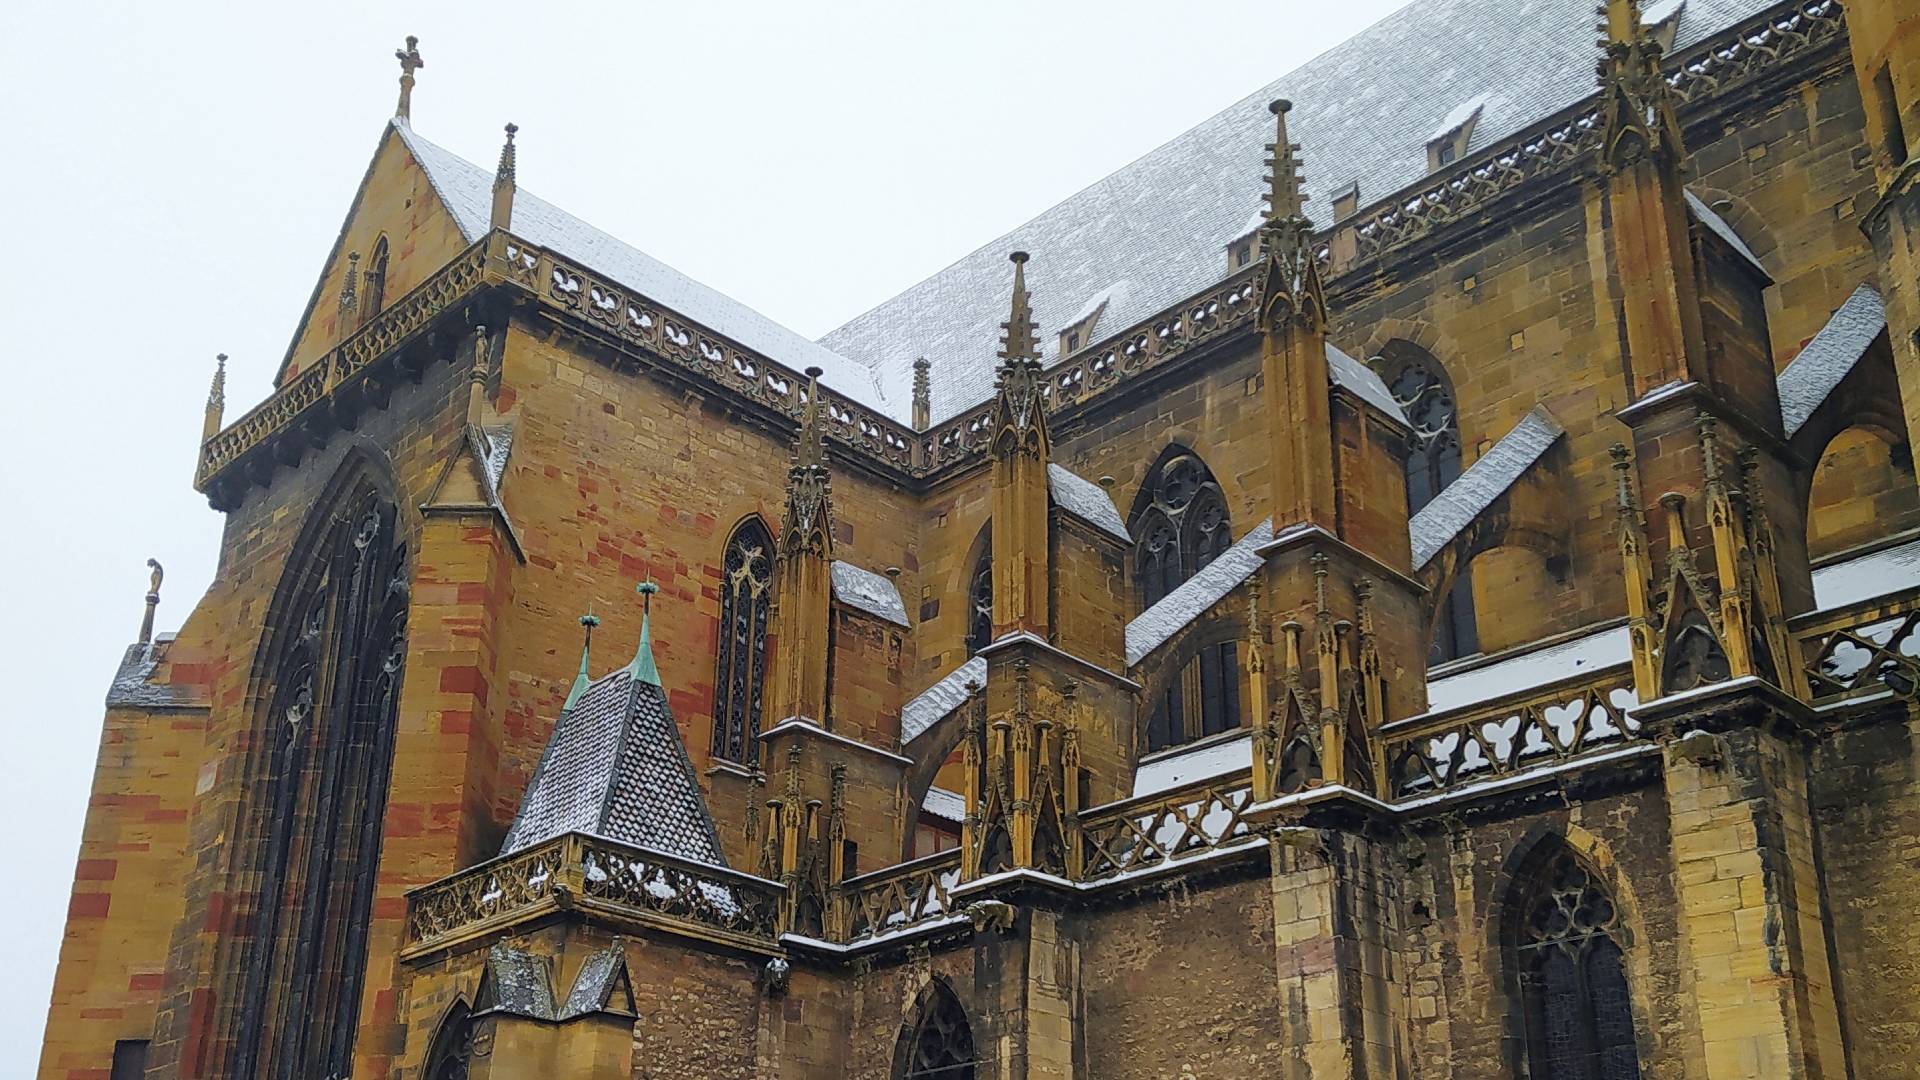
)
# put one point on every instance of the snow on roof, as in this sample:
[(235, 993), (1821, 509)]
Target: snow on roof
[(1864, 577), (1438, 522), (1196, 595), (1591, 652), (943, 804), (1188, 766), (1359, 378), (1829, 357), (869, 592), (1114, 295), (1660, 11), (1719, 227), (466, 190), (944, 696), (1085, 500), (1362, 111), (1462, 115)]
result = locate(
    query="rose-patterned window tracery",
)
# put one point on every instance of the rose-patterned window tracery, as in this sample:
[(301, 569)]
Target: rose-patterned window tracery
[(746, 600), (1179, 526), (1576, 1008)]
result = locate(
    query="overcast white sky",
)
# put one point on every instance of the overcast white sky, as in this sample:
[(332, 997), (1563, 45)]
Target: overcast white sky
[(174, 176)]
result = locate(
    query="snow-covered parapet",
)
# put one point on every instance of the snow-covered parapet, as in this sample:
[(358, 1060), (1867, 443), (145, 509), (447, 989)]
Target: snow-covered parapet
[(1469, 496), (1087, 501), (1830, 357), (864, 590), (1197, 594)]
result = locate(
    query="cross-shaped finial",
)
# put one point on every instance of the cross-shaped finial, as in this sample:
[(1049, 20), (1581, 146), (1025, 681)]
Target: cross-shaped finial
[(410, 62), (646, 589)]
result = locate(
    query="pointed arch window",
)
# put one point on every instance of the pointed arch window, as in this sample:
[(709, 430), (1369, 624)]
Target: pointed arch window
[(373, 296), (1422, 391), (740, 673), (1576, 1011), (939, 1043), (330, 676), (452, 1049), (1180, 525), (980, 597)]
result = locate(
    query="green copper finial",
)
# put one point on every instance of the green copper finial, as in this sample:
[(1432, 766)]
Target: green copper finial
[(589, 621), (642, 669)]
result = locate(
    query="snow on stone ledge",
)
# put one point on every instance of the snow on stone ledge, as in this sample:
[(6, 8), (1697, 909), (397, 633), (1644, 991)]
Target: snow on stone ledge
[(1829, 357), (1876, 573), (868, 592), (1197, 594), (943, 804), (1188, 766), (1437, 523), (1719, 227), (1538, 667), (1085, 500), (1360, 379), (941, 698)]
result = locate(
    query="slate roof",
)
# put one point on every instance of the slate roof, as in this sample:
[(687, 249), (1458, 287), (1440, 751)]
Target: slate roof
[(615, 767), (466, 190), (1362, 112), (1152, 627), (130, 688), (1438, 522), (1829, 357), (946, 694)]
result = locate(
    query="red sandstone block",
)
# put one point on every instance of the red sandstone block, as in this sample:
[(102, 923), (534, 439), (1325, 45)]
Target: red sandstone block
[(94, 870), (89, 905), (142, 982), (460, 680)]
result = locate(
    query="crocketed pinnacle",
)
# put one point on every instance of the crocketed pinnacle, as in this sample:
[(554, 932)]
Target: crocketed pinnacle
[(217, 393), (1017, 343), (642, 669), (807, 525), (1636, 109), (410, 62), (1285, 199), (581, 681), (504, 174), (349, 298)]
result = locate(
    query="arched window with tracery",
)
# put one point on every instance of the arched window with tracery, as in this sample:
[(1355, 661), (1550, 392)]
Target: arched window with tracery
[(1421, 388), (980, 595), (938, 1042), (1179, 525), (452, 1049), (740, 666), (373, 296), (330, 680), (1566, 958)]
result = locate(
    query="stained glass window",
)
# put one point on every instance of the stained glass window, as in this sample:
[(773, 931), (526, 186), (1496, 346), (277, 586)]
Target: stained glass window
[(1420, 388), (746, 598), (980, 602), (940, 1043), (1572, 973), (1179, 526)]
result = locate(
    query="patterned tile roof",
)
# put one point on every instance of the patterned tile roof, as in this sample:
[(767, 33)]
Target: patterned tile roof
[(1363, 112), (616, 768)]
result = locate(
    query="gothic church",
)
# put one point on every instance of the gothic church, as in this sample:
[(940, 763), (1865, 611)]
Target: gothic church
[(1460, 623)]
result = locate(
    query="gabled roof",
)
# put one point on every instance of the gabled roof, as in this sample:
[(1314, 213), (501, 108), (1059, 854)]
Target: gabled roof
[(616, 768), (1362, 111), (864, 590), (1829, 357), (1085, 500), (466, 190)]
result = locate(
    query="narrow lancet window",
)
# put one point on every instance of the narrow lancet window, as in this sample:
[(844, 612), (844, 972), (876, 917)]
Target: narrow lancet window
[(1180, 525), (746, 599), (1421, 389), (1576, 1009)]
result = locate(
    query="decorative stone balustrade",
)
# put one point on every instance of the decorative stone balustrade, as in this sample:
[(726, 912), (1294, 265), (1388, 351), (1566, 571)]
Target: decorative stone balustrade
[(1533, 729)]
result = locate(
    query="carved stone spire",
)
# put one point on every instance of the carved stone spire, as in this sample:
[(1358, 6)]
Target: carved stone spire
[(1021, 567), (584, 679), (349, 299), (1290, 285), (797, 676), (922, 394), (153, 600), (1636, 106), (216, 400), (642, 668), (410, 62), (1293, 349), (808, 523), (505, 183)]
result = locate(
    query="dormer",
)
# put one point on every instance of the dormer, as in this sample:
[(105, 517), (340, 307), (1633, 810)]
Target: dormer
[(1448, 143), (1079, 331), (1245, 247), (1661, 19), (1346, 202)]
